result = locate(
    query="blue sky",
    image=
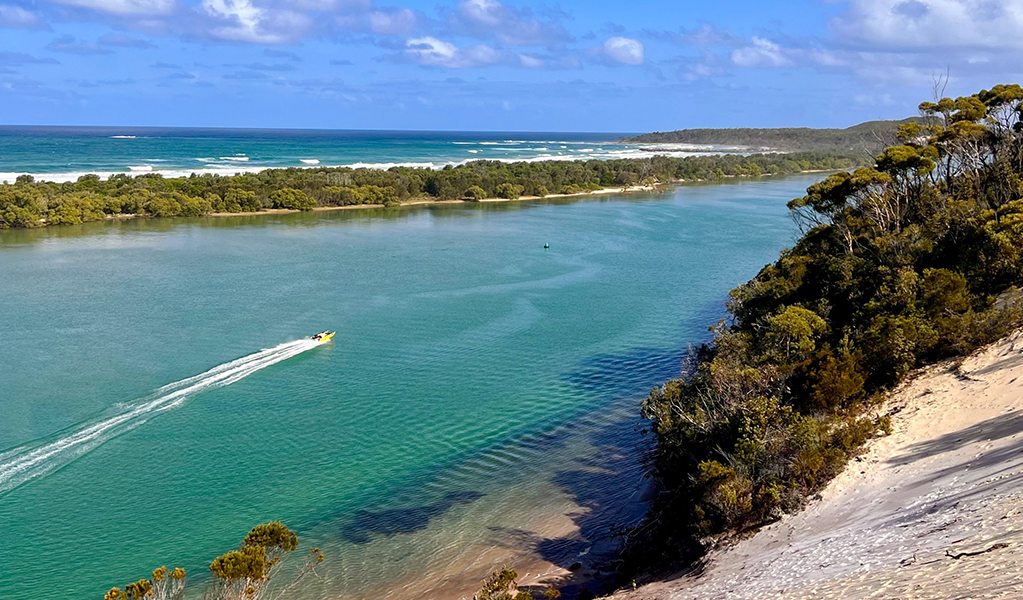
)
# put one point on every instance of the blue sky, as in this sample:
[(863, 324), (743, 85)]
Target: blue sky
[(558, 65)]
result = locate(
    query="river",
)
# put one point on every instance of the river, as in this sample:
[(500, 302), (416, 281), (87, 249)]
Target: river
[(479, 405)]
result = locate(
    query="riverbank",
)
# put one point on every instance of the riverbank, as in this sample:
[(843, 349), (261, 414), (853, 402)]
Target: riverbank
[(429, 202), (930, 511)]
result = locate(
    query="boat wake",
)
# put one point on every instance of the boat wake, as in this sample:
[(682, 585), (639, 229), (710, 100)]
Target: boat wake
[(41, 457)]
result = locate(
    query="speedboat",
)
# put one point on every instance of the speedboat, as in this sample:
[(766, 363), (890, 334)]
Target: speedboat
[(323, 336)]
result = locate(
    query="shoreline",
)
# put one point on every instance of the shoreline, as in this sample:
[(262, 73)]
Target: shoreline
[(937, 496), (428, 202), (425, 202)]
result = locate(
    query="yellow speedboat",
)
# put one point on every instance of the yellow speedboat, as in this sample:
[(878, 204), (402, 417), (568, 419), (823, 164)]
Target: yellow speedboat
[(323, 336)]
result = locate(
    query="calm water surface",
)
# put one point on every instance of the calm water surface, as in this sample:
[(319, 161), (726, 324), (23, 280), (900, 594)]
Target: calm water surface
[(478, 382)]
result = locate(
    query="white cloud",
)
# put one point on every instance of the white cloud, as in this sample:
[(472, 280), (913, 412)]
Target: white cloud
[(626, 51), (485, 12), (241, 21), (534, 61), (489, 19), (16, 17), (760, 53), (531, 62), (400, 22), (940, 24), (430, 51), (125, 7)]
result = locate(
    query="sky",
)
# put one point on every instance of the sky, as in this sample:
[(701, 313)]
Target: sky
[(496, 65)]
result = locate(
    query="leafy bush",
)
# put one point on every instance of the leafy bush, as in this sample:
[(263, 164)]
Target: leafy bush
[(292, 199), (509, 190), (475, 193), (242, 574), (914, 259)]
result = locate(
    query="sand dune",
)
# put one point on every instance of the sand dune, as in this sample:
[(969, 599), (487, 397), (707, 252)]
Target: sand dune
[(934, 510)]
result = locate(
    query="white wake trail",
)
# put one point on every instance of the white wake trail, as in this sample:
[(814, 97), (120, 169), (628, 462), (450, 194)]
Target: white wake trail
[(33, 460)]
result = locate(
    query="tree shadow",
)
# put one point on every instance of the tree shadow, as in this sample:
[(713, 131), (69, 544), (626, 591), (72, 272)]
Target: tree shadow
[(626, 375), (367, 524), (612, 486), (1008, 361), (612, 491), (995, 428)]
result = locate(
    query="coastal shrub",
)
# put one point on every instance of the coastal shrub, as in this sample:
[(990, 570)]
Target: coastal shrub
[(164, 585), (509, 190), (76, 208), (500, 585), (242, 574), (291, 198), (239, 200), (475, 193), (916, 258)]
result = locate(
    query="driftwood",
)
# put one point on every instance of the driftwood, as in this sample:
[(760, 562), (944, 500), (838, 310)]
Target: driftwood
[(949, 554)]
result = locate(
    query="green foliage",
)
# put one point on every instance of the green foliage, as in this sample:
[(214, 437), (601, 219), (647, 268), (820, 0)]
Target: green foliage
[(28, 203), (792, 334), (916, 259), (500, 585), (273, 535), (509, 190), (475, 193), (163, 586), (292, 199), (855, 138), (242, 574), (248, 563)]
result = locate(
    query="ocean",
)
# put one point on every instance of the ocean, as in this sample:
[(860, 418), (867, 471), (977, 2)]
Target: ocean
[(66, 153)]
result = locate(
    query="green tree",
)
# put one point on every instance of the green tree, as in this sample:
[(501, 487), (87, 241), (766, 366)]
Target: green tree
[(475, 193), (292, 199), (509, 190)]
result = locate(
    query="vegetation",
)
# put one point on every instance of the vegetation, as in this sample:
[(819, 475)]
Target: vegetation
[(913, 260), (870, 137), (502, 585), (27, 203), (242, 574)]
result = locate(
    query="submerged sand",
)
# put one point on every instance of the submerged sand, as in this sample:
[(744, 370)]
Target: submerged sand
[(934, 510)]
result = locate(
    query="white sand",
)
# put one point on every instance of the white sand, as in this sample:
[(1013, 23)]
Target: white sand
[(948, 481)]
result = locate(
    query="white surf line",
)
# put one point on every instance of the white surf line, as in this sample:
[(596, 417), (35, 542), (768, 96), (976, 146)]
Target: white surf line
[(33, 460)]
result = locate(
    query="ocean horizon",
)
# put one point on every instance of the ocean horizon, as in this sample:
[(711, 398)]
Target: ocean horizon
[(65, 153)]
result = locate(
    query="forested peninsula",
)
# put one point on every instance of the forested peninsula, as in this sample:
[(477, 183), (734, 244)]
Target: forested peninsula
[(915, 259), (28, 203), (870, 136)]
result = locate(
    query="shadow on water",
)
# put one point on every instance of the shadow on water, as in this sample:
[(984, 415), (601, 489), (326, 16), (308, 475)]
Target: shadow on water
[(612, 491), (367, 524), (611, 485)]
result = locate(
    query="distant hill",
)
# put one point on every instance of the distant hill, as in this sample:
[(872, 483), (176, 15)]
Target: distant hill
[(871, 137)]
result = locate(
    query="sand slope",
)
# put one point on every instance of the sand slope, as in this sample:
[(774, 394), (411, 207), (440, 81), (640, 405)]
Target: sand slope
[(905, 519)]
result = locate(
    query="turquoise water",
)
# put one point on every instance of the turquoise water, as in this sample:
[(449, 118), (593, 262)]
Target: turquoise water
[(65, 153), (478, 382)]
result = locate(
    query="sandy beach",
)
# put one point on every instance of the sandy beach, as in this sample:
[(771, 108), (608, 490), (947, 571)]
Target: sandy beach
[(931, 511)]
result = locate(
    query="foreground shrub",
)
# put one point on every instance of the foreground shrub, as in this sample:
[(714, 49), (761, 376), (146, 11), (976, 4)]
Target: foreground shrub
[(913, 260)]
